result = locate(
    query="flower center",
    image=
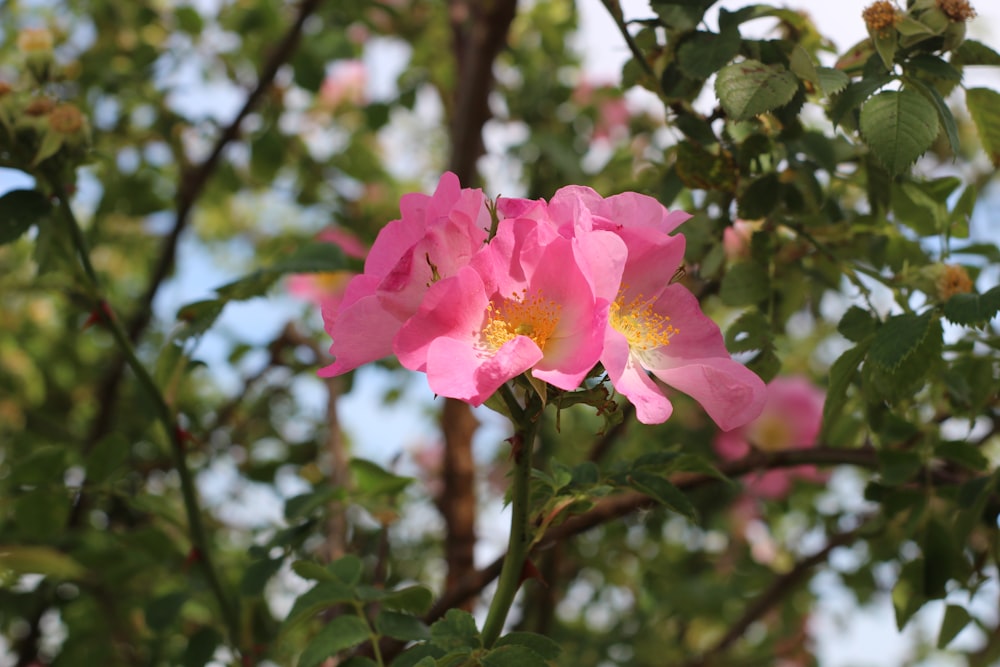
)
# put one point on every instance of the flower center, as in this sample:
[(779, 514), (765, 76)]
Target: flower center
[(644, 328), (535, 317), (770, 433)]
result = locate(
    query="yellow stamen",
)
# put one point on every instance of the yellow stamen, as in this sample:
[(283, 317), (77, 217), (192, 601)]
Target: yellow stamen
[(534, 317), (644, 328)]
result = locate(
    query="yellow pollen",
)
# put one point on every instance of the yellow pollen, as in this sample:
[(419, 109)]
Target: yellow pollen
[(770, 433), (534, 317), (644, 328)]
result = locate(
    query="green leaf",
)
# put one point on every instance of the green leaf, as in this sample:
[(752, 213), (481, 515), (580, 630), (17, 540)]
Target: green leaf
[(760, 197), (898, 338), (962, 453), (401, 626), (832, 81), (347, 569), (311, 257), (513, 655), (665, 493), (410, 599), (945, 117), (198, 317), (45, 561), (973, 309), (853, 95), (954, 621), (857, 324), (341, 633), (750, 87), (984, 107), (201, 648), (682, 16), (897, 467), (456, 630), (540, 644), (898, 126), (107, 459), (19, 210), (161, 612), (750, 331), (305, 504), (257, 574), (374, 480), (959, 216), (886, 42), (321, 596), (745, 284), (972, 52), (701, 54), (842, 374)]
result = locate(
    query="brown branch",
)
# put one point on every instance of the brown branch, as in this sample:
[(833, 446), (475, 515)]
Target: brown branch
[(780, 587), (192, 184)]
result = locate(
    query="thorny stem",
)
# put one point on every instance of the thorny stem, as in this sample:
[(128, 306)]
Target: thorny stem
[(199, 541), (526, 423)]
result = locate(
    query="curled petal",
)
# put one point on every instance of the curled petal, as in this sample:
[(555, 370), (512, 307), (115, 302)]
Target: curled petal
[(731, 394)]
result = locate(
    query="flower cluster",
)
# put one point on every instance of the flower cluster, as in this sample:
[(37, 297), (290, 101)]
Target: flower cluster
[(560, 287), (791, 419)]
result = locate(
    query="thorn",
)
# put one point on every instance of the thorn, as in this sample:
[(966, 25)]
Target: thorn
[(101, 314), (193, 556), (530, 571)]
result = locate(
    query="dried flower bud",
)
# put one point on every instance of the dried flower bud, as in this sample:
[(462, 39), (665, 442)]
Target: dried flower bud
[(39, 107), (953, 279), (880, 16), (4, 88), (34, 40), (958, 11), (66, 119)]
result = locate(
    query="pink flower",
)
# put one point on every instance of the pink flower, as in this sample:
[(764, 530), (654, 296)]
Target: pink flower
[(344, 84), (791, 419), (434, 238), (657, 327), (525, 303), (326, 289), (736, 239)]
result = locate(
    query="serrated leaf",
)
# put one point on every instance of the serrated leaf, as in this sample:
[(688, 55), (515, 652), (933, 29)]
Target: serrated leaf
[(401, 626), (750, 331), (962, 453), (19, 210), (161, 612), (898, 338), (959, 216), (886, 42), (842, 374), (750, 87), (341, 633), (972, 52), (540, 644), (512, 655), (411, 599), (898, 127), (457, 630), (665, 493), (857, 324), (984, 107), (682, 16), (375, 480), (257, 574), (832, 81), (45, 561), (745, 284), (853, 95), (760, 197), (701, 54), (954, 621), (321, 596), (945, 117), (973, 309)]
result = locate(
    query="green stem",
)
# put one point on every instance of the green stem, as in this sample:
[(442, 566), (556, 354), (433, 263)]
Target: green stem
[(165, 415), (526, 425)]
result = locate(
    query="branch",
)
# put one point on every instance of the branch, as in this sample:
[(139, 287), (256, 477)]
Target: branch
[(779, 588), (192, 183)]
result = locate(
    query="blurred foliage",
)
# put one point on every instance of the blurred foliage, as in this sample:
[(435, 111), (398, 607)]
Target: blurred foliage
[(860, 171)]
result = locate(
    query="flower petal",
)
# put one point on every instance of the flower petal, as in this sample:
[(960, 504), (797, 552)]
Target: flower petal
[(731, 394), (632, 381)]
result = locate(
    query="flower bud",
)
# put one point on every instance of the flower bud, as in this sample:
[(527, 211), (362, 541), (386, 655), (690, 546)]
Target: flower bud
[(957, 11), (66, 119), (880, 17), (34, 41), (952, 279)]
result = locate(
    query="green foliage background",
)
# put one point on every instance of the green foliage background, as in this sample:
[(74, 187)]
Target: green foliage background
[(863, 169)]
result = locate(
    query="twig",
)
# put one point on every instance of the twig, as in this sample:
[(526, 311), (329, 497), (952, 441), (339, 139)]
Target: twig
[(780, 587), (199, 541), (192, 183)]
